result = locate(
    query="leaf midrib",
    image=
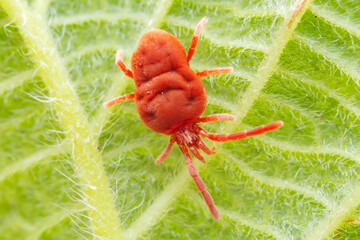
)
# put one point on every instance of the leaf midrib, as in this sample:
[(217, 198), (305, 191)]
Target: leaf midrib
[(87, 159)]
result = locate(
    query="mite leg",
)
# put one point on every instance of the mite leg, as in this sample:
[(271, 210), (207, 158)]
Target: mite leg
[(199, 182), (216, 118), (243, 134), (119, 62), (214, 71), (206, 150), (120, 99), (196, 153), (195, 38), (166, 152)]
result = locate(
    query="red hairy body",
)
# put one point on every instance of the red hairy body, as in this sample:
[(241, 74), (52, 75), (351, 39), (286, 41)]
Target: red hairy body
[(168, 93), (170, 99)]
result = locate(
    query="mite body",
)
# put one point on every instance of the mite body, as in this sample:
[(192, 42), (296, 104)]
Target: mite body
[(168, 93), (170, 98)]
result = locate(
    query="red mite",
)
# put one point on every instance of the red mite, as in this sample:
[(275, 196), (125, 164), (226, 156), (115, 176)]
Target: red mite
[(170, 98)]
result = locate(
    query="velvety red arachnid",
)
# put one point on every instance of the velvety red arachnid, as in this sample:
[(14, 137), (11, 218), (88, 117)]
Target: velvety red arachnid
[(170, 98)]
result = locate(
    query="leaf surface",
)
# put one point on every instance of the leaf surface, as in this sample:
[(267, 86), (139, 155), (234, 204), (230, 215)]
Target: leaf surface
[(71, 169)]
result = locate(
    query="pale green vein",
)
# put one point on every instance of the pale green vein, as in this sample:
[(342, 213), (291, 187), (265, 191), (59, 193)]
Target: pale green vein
[(92, 49), (24, 164), (332, 93), (216, 41), (252, 224), (16, 81), (53, 220), (334, 57), (280, 183), (120, 83), (220, 102), (25, 115), (99, 17), (41, 7), (47, 223), (268, 65), (3, 22), (336, 218), (317, 150), (239, 12), (293, 107), (215, 100), (159, 14), (87, 159), (336, 20), (126, 146), (159, 207), (240, 220), (15, 222)]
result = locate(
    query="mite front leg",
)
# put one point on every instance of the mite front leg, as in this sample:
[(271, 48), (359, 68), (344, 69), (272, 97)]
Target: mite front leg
[(214, 71), (195, 38), (119, 62), (199, 182), (216, 118), (243, 134), (127, 97)]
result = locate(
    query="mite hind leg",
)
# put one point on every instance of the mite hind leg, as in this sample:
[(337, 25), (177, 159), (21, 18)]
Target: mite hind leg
[(199, 182), (125, 98), (195, 38), (119, 62)]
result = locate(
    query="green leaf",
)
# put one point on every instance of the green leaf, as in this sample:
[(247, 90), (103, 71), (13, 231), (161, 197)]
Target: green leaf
[(70, 169)]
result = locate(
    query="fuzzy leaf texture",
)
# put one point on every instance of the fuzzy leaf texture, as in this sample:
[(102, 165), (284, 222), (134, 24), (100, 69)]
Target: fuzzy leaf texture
[(70, 169)]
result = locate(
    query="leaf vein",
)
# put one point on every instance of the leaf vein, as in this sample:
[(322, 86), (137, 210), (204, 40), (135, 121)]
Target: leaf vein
[(335, 58), (264, 228), (335, 20), (280, 183), (16, 81), (214, 40), (268, 65), (87, 159), (24, 164), (333, 221), (98, 17), (332, 93), (285, 146)]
